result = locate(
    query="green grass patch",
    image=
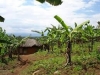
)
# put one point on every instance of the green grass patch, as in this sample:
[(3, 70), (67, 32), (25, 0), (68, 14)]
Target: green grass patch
[(49, 65)]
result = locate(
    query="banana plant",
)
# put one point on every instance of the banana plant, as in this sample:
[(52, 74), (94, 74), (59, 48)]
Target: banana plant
[(4, 40), (69, 34), (16, 44), (43, 37), (90, 34), (51, 36)]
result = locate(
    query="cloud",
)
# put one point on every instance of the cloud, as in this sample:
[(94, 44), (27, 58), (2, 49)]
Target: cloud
[(91, 2), (22, 18)]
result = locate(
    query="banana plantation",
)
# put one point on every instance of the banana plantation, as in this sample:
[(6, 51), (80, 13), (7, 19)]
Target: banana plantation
[(65, 50), (79, 46)]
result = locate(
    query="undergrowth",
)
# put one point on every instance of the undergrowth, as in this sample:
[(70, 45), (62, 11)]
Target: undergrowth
[(84, 62)]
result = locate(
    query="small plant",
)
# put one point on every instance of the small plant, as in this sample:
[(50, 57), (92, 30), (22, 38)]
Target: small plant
[(12, 71)]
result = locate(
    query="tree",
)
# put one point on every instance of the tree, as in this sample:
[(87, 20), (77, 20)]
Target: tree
[(70, 33), (16, 44), (51, 35), (52, 2), (89, 34), (42, 35), (4, 41), (56, 35), (42, 39)]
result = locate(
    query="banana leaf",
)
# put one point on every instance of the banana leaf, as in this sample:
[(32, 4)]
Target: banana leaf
[(1, 19), (41, 1), (4, 41), (62, 23), (52, 2), (79, 27)]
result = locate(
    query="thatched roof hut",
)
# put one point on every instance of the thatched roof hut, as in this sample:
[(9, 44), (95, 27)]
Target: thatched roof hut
[(29, 46), (30, 43)]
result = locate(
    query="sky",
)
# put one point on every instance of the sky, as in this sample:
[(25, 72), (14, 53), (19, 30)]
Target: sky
[(22, 16)]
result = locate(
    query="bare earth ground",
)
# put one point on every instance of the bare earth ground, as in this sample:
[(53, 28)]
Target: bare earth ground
[(20, 65), (28, 59)]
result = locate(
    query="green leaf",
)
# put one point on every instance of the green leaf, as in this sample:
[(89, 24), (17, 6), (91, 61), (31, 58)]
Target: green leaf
[(41, 1), (1, 19), (80, 26), (61, 22), (54, 2)]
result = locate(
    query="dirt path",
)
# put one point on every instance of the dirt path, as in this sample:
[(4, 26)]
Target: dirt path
[(28, 59)]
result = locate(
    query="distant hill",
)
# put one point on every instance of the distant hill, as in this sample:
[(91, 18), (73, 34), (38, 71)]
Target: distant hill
[(26, 34)]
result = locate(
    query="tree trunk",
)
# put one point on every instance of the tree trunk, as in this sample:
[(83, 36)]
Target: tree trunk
[(18, 54), (0, 50), (10, 54), (2, 59), (59, 44), (69, 51), (92, 42)]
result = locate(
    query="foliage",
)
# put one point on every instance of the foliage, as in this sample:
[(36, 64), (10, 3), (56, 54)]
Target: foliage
[(8, 43), (1, 19), (52, 2), (77, 29)]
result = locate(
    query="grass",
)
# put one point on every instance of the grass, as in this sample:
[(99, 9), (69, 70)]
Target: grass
[(49, 65), (83, 61)]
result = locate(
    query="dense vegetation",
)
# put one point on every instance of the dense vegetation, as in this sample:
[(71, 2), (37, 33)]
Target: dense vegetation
[(8, 44)]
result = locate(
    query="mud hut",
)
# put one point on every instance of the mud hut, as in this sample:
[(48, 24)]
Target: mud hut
[(30, 46)]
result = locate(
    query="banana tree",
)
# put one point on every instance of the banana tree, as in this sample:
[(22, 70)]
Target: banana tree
[(52, 2), (42, 40), (97, 30), (90, 35), (55, 36), (4, 40), (69, 34), (16, 44), (51, 36), (42, 35)]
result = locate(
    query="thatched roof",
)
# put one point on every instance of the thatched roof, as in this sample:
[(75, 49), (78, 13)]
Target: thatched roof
[(30, 43)]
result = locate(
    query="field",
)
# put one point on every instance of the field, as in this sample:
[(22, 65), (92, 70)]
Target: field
[(84, 62)]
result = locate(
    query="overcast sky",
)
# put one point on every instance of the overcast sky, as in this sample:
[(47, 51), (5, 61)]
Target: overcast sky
[(22, 16)]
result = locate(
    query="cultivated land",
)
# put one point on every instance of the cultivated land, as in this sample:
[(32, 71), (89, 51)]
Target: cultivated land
[(53, 63)]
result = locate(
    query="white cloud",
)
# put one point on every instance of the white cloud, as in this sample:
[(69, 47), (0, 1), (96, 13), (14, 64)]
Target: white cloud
[(21, 18), (91, 2)]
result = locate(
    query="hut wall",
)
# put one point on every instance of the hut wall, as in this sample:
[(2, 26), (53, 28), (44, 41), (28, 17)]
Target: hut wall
[(28, 50)]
